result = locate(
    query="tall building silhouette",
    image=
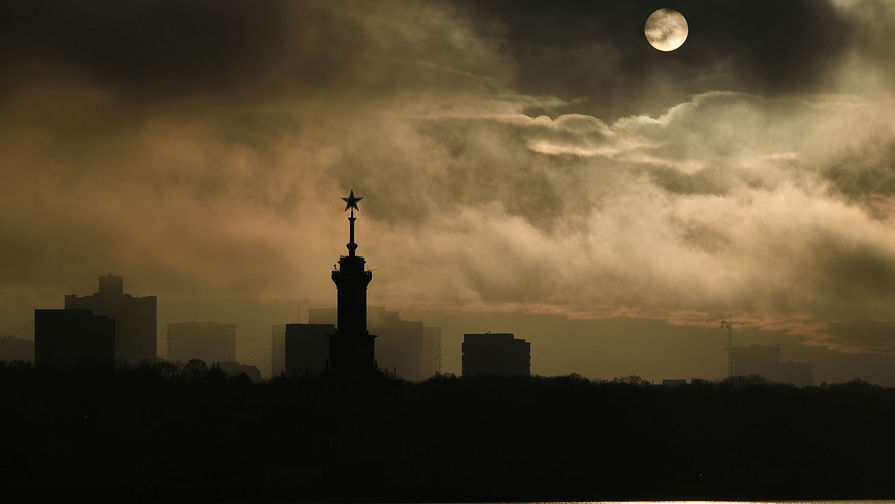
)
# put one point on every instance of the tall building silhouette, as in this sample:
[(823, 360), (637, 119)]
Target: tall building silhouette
[(399, 344), (430, 361), (277, 350), (307, 349), (65, 338), (278, 341), (495, 353), (351, 346), (135, 317)]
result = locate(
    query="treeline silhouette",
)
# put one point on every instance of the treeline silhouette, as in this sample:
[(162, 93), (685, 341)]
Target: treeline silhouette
[(167, 431)]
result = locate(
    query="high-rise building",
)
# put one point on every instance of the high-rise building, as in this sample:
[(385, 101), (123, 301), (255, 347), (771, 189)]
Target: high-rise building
[(351, 347), (65, 338), (307, 349), (208, 341), (277, 350), (399, 343), (135, 317), (495, 353), (430, 361), (278, 340)]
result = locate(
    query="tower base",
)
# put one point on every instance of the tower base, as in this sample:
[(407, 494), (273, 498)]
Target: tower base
[(352, 354)]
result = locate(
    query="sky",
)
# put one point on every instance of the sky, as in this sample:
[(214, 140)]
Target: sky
[(538, 163)]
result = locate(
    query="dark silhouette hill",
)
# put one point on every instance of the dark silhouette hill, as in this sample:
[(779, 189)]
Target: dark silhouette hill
[(166, 430)]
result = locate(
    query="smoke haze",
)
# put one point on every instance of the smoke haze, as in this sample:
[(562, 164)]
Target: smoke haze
[(526, 158)]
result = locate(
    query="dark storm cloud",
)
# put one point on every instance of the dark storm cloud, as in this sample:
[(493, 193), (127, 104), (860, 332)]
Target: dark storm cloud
[(226, 51), (596, 51), (155, 48), (199, 148), (202, 124), (865, 171)]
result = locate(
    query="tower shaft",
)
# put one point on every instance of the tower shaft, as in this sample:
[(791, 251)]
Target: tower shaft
[(352, 247), (351, 347)]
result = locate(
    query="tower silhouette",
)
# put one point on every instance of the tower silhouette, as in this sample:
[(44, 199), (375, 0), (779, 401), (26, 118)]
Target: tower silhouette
[(351, 347)]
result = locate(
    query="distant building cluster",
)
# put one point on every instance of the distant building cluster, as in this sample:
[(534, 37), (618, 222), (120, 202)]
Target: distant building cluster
[(104, 328), (111, 327), (135, 318), (405, 348)]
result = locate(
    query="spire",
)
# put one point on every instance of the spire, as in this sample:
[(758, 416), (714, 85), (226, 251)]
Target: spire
[(351, 203), (351, 347)]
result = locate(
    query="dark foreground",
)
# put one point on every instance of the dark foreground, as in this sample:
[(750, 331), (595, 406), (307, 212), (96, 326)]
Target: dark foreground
[(168, 432)]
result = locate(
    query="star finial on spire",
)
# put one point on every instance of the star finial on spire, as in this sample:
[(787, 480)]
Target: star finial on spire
[(351, 201)]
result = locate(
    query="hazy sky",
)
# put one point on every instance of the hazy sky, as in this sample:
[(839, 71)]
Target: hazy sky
[(525, 157)]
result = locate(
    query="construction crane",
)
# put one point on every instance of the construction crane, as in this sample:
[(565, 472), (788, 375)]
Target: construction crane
[(729, 323)]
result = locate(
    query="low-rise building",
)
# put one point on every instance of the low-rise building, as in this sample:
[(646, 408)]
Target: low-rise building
[(66, 338), (495, 353)]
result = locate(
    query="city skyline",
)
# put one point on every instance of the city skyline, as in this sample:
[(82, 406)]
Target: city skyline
[(623, 250), (528, 167)]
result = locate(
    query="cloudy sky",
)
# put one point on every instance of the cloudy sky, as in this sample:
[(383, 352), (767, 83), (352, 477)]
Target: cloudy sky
[(534, 158)]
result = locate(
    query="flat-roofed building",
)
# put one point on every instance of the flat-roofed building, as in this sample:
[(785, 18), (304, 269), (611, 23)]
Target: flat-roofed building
[(135, 317), (399, 343), (495, 354), (66, 338)]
